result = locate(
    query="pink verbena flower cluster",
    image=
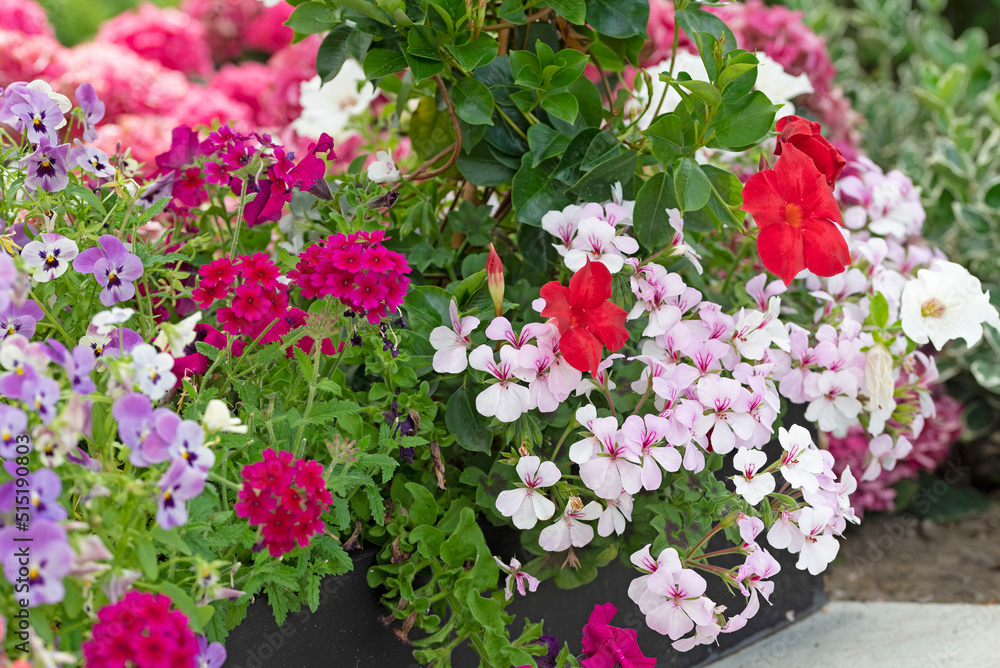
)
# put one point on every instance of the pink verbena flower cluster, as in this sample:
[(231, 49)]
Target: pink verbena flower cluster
[(356, 269), (141, 630), (287, 497)]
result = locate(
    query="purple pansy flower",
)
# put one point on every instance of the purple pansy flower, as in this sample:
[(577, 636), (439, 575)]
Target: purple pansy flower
[(48, 167), (35, 111), (50, 559), (210, 655), (78, 364), (179, 484), (40, 394), (49, 256), (43, 497), (92, 160), (20, 319), (147, 432), (113, 267), (188, 447), (93, 110), (13, 423), (160, 188), (122, 341)]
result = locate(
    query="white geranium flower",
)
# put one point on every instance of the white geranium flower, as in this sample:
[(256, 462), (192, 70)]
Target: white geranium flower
[(383, 170), (526, 505), (218, 419), (751, 484), (452, 343), (946, 303)]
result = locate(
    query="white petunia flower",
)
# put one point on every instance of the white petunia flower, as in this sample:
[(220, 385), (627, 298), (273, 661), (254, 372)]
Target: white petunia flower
[(946, 303), (383, 170), (328, 107)]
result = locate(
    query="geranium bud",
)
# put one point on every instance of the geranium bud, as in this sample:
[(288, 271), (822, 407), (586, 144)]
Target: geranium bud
[(494, 280), (878, 377)]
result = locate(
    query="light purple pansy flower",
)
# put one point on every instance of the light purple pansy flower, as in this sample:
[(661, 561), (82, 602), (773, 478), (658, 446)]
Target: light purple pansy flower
[(78, 364), (93, 110), (179, 484), (188, 446), (44, 488), (161, 188), (113, 267), (40, 395), (122, 341), (20, 319), (35, 111), (50, 559), (91, 159), (13, 423), (47, 168), (49, 256), (147, 432), (210, 655)]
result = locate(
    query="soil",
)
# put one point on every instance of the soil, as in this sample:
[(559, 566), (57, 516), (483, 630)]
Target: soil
[(906, 558)]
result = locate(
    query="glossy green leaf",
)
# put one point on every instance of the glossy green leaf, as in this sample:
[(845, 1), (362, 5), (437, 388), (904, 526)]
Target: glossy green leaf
[(545, 143), (618, 18), (535, 192), (563, 106), (691, 186), (431, 130), (473, 102), (574, 11), (482, 168), (743, 123), (476, 53), (332, 53), (650, 219), (383, 62), (310, 18)]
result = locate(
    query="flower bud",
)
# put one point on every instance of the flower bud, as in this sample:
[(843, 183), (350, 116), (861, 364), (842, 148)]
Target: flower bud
[(879, 385), (494, 280)]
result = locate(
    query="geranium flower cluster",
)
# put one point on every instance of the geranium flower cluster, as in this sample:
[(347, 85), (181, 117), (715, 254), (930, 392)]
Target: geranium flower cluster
[(141, 629), (357, 270), (286, 497)]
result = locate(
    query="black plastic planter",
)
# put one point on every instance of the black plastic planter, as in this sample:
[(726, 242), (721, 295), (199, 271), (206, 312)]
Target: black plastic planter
[(345, 631)]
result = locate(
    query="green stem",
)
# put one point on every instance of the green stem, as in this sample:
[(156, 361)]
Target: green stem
[(48, 315), (215, 477), (297, 448), (732, 269), (239, 219)]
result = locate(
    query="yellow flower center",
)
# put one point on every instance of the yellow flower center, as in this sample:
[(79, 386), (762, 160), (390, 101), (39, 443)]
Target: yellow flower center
[(932, 308)]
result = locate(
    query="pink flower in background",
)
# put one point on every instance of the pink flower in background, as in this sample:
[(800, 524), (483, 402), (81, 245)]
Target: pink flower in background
[(25, 16), (168, 36), (608, 646), (28, 57), (235, 26)]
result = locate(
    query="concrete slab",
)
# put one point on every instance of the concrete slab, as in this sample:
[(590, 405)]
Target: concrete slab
[(887, 635)]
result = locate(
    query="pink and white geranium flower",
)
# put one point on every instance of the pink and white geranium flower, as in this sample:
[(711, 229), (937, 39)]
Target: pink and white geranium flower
[(505, 399), (452, 343), (682, 604), (570, 530), (885, 454), (516, 577), (752, 484), (645, 435), (819, 547), (613, 468), (725, 402), (801, 461), (597, 239), (526, 505), (615, 516)]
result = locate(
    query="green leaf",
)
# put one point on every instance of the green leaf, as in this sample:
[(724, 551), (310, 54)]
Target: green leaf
[(563, 106), (310, 18), (423, 510), (427, 539), (669, 137), (476, 53), (464, 540), (618, 18), (473, 102), (470, 428), (427, 307), (596, 184), (431, 130), (512, 11), (705, 91), (332, 53), (743, 123), (481, 167), (171, 539), (733, 72), (705, 30), (603, 147), (545, 143), (525, 68), (534, 192), (383, 62), (146, 553), (423, 68), (691, 186), (878, 307), (651, 222), (574, 11), (88, 196)]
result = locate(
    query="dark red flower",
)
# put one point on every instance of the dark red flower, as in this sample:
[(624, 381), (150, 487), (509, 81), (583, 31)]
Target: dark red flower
[(609, 646), (805, 135), (798, 218), (586, 319)]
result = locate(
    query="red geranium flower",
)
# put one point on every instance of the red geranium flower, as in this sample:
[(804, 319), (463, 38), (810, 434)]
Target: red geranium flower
[(805, 136), (797, 215), (585, 317)]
